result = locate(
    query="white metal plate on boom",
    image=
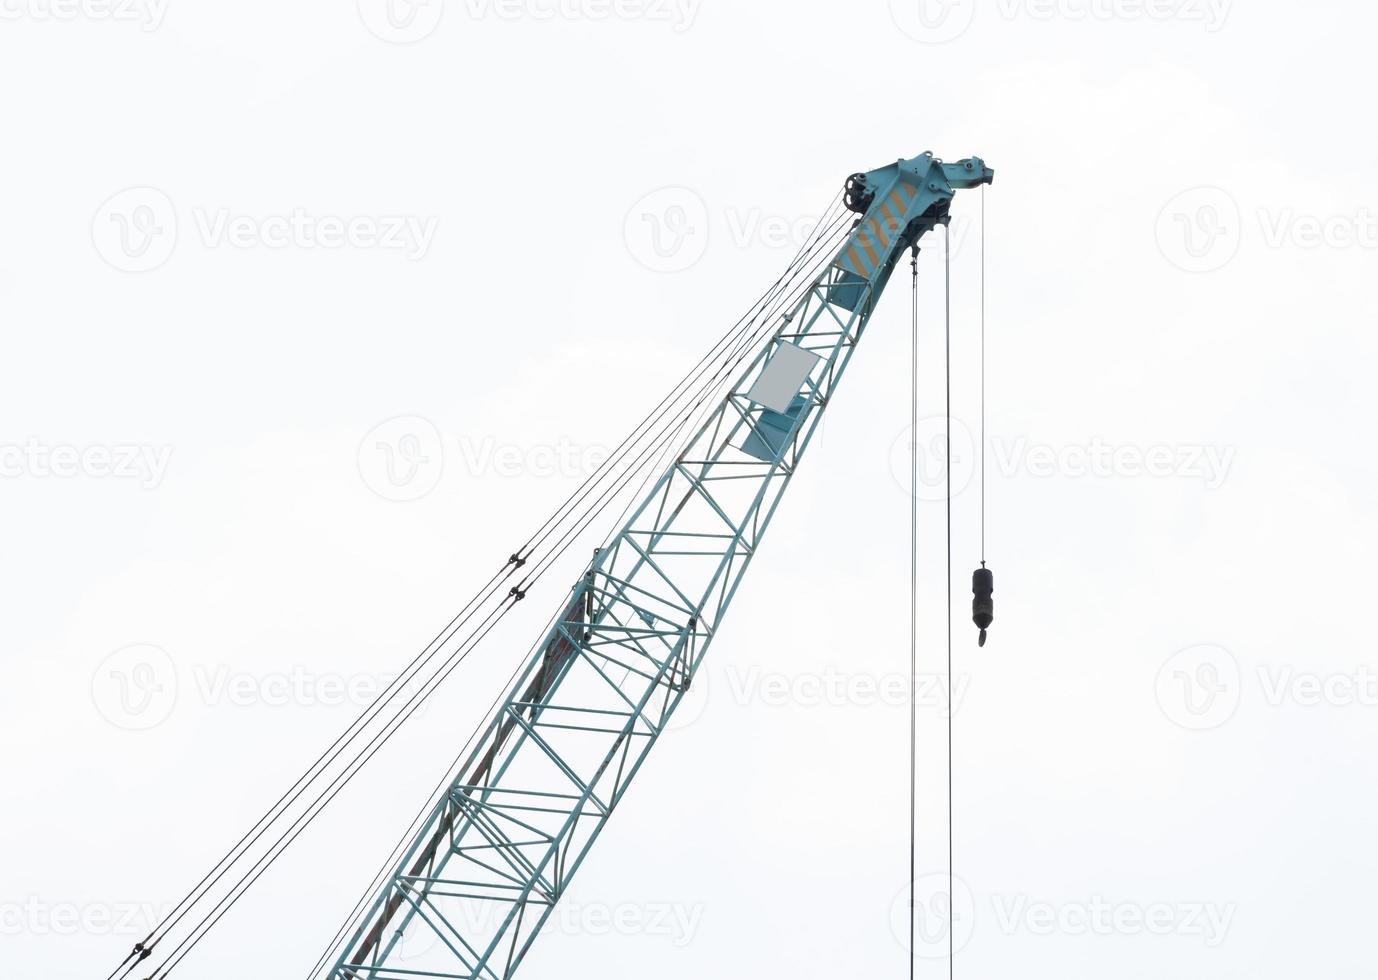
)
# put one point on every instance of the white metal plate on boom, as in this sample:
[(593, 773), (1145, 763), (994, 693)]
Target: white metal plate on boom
[(782, 377)]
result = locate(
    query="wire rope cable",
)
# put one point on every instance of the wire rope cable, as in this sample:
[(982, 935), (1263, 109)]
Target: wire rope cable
[(738, 343)]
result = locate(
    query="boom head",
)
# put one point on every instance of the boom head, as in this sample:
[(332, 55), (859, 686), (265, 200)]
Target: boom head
[(899, 204)]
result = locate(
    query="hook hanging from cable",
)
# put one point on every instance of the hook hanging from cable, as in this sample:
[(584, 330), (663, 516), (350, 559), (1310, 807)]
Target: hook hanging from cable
[(983, 580)]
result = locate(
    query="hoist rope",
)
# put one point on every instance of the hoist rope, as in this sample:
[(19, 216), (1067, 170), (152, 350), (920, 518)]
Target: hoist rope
[(947, 393), (735, 344), (913, 591), (983, 375)]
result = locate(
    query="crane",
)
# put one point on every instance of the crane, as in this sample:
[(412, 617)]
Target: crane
[(485, 862), (499, 847)]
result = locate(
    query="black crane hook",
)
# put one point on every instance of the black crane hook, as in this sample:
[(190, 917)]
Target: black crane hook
[(982, 602)]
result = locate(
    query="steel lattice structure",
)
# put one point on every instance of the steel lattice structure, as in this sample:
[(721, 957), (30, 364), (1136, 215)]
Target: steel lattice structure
[(498, 850)]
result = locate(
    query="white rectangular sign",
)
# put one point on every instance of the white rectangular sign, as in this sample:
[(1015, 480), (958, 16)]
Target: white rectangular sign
[(783, 377)]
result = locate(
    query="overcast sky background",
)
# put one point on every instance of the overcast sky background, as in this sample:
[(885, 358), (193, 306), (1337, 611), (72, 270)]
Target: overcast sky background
[(1164, 753)]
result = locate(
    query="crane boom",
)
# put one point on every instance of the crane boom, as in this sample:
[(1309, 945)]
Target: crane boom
[(498, 849)]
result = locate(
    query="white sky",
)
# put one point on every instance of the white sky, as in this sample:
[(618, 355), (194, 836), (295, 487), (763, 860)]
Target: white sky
[(1164, 752)]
